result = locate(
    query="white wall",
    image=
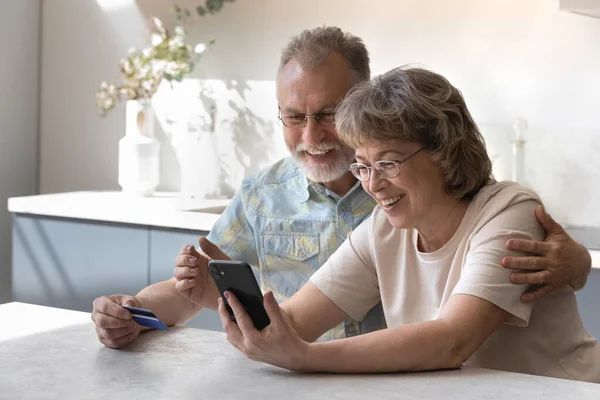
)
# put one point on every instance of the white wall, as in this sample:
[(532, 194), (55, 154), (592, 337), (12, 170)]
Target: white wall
[(510, 58), (19, 101)]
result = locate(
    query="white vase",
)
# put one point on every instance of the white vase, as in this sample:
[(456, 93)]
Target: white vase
[(139, 152), (199, 165)]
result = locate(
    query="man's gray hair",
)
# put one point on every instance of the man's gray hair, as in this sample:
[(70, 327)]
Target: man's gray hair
[(311, 47)]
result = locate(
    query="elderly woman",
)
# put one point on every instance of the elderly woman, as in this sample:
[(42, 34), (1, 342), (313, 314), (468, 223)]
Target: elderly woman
[(429, 252)]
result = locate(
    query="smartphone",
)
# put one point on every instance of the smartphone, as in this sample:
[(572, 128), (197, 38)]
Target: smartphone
[(237, 277)]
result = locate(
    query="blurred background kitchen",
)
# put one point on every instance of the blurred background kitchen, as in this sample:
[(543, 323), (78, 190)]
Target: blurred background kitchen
[(528, 69)]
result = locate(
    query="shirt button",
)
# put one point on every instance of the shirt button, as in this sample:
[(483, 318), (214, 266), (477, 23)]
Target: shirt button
[(343, 207)]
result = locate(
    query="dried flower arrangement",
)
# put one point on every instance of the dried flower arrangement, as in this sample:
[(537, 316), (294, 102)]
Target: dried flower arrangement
[(168, 57)]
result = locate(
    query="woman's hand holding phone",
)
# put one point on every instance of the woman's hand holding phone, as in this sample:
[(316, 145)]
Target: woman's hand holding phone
[(191, 273), (277, 344)]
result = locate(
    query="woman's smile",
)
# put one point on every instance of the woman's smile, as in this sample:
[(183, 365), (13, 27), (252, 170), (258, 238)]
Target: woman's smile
[(390, 203)]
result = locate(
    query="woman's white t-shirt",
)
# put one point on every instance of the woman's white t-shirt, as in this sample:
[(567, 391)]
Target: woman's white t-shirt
[(379, 262)]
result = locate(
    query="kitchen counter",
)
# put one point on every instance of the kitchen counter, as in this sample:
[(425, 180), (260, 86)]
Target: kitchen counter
[(70, 248), (588, 236), (57, 356), (166, 210), (595, 258)]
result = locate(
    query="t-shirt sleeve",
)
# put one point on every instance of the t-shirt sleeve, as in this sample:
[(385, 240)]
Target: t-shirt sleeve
[(349, 278), (483, 276)]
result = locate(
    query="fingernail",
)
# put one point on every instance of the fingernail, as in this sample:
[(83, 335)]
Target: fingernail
[(271, 297), (219, 300), (190, 281), (227, 295), (192, 260), (193, 271), (188, 247)]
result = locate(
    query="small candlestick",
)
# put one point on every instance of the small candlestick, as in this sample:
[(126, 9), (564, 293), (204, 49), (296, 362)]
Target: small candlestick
[(520, 125), (518, 170)]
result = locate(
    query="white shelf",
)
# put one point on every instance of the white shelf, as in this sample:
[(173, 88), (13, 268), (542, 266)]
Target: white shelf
[(595, 258), (590, 8)]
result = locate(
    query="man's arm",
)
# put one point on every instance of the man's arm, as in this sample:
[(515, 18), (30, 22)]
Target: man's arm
[(167, 303), (116, 328), (231, 236), (554, 263), (176, 300)]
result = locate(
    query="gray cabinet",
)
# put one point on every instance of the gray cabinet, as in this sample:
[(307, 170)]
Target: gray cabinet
[(67, 263), (165, 244), (588, 300)]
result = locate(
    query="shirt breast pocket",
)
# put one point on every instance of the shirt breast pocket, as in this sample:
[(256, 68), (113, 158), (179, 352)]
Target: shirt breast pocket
[(289, 259)]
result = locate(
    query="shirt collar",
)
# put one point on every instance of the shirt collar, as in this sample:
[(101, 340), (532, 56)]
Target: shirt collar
[(302, 186), (305, 186)]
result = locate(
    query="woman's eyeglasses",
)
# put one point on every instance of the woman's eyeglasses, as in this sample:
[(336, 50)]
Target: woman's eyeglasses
[(387, 168)]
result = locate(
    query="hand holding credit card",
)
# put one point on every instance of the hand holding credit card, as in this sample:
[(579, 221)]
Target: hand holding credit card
[(146, 318)]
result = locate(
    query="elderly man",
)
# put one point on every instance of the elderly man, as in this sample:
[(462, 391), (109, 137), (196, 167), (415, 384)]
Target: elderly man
[(288, 219)]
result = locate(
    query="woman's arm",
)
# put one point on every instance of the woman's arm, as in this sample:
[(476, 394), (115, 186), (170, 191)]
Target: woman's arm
[(464, 324), (311, 313)]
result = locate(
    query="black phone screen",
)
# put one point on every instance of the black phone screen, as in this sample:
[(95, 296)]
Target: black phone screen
[(237, 277)]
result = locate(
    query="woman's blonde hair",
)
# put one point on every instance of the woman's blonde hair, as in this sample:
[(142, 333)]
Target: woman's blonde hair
[(420, 106)]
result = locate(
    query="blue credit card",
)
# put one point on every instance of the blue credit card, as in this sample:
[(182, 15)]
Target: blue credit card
[(146, 318)]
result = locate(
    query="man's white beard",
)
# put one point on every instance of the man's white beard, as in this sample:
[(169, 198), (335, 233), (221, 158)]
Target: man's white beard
[(324, 173)]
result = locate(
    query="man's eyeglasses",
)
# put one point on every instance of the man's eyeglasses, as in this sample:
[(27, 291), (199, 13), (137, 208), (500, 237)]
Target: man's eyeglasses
[(387, 169), (300, 120)]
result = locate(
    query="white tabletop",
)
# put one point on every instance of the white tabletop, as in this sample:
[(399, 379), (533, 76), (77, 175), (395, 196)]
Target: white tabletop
[(21, 319), (64, 360), (167, 210)]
